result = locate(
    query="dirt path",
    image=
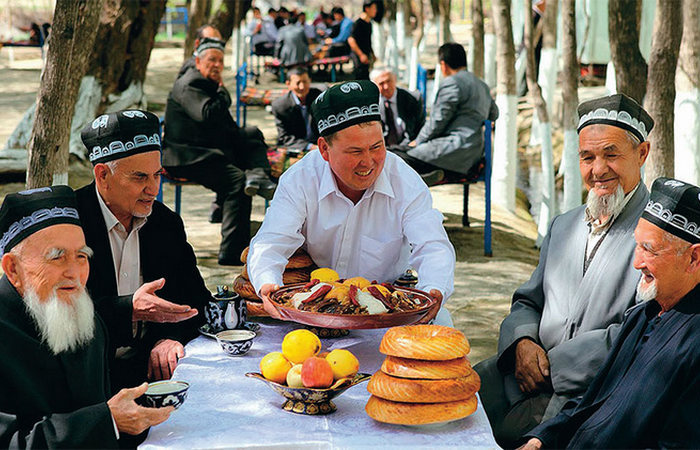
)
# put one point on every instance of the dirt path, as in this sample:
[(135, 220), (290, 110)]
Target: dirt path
[(483, 286)]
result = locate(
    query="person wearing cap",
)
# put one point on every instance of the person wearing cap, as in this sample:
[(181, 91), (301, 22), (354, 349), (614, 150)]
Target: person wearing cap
[(563, 320), (207, 31), (55, 389), (204, 144), (401, 110), (142, 256), (292, 112), (647, 393), (353, 207)]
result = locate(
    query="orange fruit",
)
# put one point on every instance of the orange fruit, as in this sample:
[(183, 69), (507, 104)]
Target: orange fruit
[(343, 363), (298, 345), (274, 367)]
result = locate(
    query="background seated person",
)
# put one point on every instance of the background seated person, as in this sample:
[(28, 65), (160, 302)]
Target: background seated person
[(338, 44), (260, 40), (452, 139), (353, 207), (205, 145), (646, 394), (292, 46), (401, 110), (205, 31), (55, 386), (292, 112)]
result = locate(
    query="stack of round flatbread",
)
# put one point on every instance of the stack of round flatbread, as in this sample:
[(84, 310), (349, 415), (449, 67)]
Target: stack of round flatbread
[(298, 270), (425, 378)]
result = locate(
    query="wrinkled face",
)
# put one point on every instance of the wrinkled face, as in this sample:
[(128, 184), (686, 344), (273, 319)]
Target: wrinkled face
[(386, 83), (211, 64), (130, 190), (356, 157), (662, 259), (607, 158), (55, 258), (300, 85)]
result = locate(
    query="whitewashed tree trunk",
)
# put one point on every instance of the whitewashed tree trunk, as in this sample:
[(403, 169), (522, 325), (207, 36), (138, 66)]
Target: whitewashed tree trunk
[(490, 60), (547, 77), (505, 158), (687, 105), (418, 35), (394, 47), (610, 80)]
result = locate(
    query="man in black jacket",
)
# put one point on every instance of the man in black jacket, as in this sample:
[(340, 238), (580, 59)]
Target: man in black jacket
[(55, 390), (292, 112), (401, 110), (205, 145), (140, 248)]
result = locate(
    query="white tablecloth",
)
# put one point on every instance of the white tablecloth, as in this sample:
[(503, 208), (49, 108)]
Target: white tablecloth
[(226, 409)]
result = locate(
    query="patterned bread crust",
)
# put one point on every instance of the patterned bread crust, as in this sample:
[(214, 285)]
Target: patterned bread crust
[(419, 413), (408, 390), (428, 342), (242, 287), (431, 370)]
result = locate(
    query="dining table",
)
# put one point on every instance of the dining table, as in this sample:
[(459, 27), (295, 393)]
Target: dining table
[(226, 409)]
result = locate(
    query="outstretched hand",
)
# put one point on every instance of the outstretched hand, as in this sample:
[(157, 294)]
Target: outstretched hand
[(265, 292), (147, 306), (132, 418)]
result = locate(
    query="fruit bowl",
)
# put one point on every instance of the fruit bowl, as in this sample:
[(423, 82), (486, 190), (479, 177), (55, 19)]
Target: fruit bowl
[(354, 321), (311, 401)]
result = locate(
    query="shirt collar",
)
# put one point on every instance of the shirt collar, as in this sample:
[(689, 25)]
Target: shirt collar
[(110, 219), (296, 99)]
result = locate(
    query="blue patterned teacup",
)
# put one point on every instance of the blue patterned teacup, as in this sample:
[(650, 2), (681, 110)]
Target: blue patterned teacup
[(164, 393), (235, 342), (226, 311)]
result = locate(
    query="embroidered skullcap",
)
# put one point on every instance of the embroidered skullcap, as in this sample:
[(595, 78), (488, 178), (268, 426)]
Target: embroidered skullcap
[(674, 206), (619, 111), (346, 104), (209, 43), (120, 135), (24, 213)]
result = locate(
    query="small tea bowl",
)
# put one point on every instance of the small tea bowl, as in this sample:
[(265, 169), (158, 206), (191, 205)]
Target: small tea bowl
[(235, 342), (164, 393)]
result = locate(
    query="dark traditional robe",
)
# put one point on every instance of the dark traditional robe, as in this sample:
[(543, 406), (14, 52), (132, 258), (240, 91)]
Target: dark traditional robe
[(164, 253), (49, 400), (647, 394)]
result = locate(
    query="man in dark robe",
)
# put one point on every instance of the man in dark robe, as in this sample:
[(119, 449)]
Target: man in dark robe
[(647, 393), (55, 389)]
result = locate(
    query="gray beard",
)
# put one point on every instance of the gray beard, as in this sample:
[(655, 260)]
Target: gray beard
[(63, 327), (646, 293), (605, 206)]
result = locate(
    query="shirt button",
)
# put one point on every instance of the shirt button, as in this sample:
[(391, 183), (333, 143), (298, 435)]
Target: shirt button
[(124, 274)]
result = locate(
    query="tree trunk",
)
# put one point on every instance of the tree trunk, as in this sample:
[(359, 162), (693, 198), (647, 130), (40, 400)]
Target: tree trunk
[(197, 17), (505, 156), (687, 110), (478, 38), (417, 38), (445, 8), (661, 88), (623, 29), (229, 16), (547, 205), (72, 37), (570, 74)]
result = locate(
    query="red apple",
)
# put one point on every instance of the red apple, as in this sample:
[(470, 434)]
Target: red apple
[(316, 373)]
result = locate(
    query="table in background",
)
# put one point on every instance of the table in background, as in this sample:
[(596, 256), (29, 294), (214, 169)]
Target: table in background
[(224, 408)]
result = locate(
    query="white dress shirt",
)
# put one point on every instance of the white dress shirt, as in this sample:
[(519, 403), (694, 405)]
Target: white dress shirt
[(398, 121), (391, 228)]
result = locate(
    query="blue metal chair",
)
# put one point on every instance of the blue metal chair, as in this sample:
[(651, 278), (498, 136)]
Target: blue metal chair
[(165, 178), (422, 84), (241, 83)]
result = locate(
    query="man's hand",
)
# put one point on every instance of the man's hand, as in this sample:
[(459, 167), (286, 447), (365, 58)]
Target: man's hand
[(412, 144), (328, 40), (265, 292), (532, 444), (364, 59), (151, 308), (132, 418), (164, 357), (437, 295), (531, 366)]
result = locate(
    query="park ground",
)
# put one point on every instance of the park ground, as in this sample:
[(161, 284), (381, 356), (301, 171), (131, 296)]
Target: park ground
[(483, 285)]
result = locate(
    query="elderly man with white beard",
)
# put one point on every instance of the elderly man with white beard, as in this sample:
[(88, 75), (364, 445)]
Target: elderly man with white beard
[(54, 389), (564, 319)]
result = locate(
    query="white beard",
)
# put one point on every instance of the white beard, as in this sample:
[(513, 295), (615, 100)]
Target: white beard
[(646, 291), (62, 326), (605, 205)]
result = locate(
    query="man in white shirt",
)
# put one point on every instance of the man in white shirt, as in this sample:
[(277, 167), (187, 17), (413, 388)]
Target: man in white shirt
[(353, 207)]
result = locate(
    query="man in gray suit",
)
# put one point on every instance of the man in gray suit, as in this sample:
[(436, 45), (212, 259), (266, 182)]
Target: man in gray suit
[(564, 319), (452, 140)]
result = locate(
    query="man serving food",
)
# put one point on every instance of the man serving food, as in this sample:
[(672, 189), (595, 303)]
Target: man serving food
[(353, 207)]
